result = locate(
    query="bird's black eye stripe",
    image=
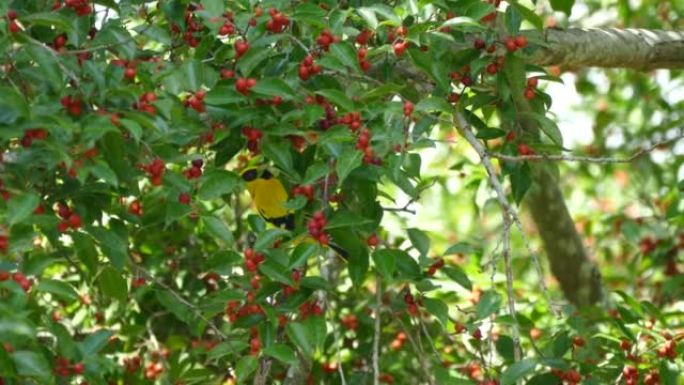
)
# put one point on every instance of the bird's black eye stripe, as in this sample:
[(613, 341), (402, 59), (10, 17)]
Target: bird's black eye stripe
[(250, 175), (266, 175)]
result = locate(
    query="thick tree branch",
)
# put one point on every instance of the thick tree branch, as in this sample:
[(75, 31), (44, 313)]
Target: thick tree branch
[(609, 48)]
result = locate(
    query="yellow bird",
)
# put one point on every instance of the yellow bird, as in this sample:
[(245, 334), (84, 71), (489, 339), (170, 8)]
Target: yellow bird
[(269, 195)]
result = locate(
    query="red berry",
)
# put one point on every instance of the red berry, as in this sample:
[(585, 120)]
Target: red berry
[(521, 41), (129, 73), (75, 221), (227, 74), (184, 198), (479, 43), (529, 94), (510, 45), (11, 14), (492, 68), (532, 82), (408, 108)]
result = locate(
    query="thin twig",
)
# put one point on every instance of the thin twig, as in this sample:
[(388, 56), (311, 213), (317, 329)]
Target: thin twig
[(509, 286), (465, 129), (585, 159), (376, 333)]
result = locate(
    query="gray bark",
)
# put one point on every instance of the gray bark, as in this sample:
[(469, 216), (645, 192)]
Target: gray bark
[(609, 48)]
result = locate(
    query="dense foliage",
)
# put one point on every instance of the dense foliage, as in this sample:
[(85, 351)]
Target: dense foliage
[(131, 253)]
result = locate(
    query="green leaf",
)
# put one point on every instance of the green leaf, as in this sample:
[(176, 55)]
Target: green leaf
[(133, 128), (251, 60), (521, 180), (102, 171), (273, 87), (338, 98), (245, 367), (458, 275), (282, 353), (213, 7), (276, 272), (61, 289), (218, 182), (95, 342), (437, 308), (460, 248), (348, 161), (490, 302), (223, 95), (368, 14), (419, 240), (218, 229), (385, 262), (406, 265), (113, 284), (31, 364), (279, 152), (113, 246), (563, 6), (47, 62), (517, 371), (505, 347), (345, 218), (548, 126), (462, 23), (433, 104), (301, 336), (561, 344), (21, 207), (346, 54), (49, 19), (529, 15)]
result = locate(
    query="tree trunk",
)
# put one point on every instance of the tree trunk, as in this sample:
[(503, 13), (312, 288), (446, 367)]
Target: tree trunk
[(578, 276)]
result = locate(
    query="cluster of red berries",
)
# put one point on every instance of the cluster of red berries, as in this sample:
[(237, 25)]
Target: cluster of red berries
[(63, 367), (31, 135), (82, 7), (145, 103), (652, 378), (524, 149), (307, 68), (132, 364), (316, 225), (227, 28), (351, 120), (74, 106), (400, 47), (241, 48), (463, 76), (234, 310), (515, 43), (253, 260), (363, 144), (571, 377), (153, 369), (310, 308), (531, 86), (278, 21), (13, 26), (364, 36), (363, 63), (373, 240), (398, 341), (155, 169), (350, 321), (135, 208), (305, 190), (411, 304), (4, 245), (70, 220), (195, 169), (243, 85), (19, 278), (408, 109), (254, 342), (435, 266), (493, 68), (196, 101), (325, 39), (129, 67), (631, 375), (193, 26), (253, 136), (330, 114), (669, 349)]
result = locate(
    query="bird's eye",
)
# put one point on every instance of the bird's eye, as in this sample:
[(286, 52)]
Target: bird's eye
[(266, 175), (249, 175)]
